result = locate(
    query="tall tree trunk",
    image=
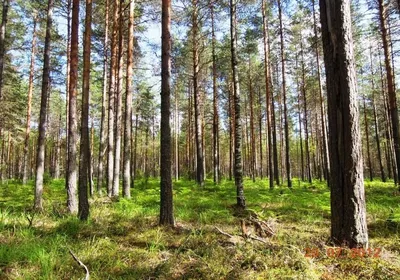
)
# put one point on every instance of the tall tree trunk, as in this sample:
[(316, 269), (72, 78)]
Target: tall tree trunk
[(189, 128), (377, 138), (38, 204), (260, 140), (216, 157), (388, 132), (303, 89), (2, 164), (135, 144), (166, 195), (6, 4), (91, 160), (176, 126), (69, 4), (274, 141), (394, 115), (58, 151), (73, 126), (300, 127), (252, 133), (321, 102), (103, 130), (29, 109), (367, 144), (349, 225), (126, 191), (241, 201), (118, 104), (231, 130), (84, 158), (197, 98), (271, 159), (285, 114), (111, 98)]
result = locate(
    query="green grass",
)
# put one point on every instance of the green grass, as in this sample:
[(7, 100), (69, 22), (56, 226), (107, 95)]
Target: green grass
[(121, 240)]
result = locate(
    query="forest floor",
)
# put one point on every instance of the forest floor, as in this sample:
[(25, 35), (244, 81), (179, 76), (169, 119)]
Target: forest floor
[(122, 240)]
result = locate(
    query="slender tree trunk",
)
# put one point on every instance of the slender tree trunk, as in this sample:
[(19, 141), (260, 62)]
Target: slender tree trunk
[(252, 133), (377, 138), (38, 204), (118, 104), (58, 151), (154, 148), (197, 99), (29, 109), (394, 115), (69, 4), (84, 158), (367, 144), (300, 127), (388, 134), (166, 195), (91, 160), (111, 98), (2, 165), (128, 105), (349, 226), (285, 114), (271, 159), (189, 128), (215, 103), (241, 201), (231, 131), (304, 93), (321, 102), (73, 126), (260, 122), (6, 4), (135, 143), (274, 141), (103, 130), (176, 126)]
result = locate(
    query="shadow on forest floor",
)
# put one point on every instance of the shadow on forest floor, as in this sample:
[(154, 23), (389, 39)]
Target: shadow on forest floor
[(121, 240)]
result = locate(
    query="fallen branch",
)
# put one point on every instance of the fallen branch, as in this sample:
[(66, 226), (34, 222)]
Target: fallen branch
[(258, 239), (81, 264), (224, 233)]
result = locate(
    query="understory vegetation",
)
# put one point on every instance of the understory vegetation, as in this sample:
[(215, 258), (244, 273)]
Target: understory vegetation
[(122, 239)]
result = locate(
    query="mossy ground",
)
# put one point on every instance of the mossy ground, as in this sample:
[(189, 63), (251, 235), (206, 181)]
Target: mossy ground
[(122, 240)]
